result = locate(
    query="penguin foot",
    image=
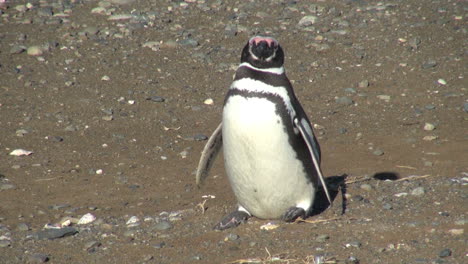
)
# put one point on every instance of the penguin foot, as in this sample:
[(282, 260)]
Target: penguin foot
[(293, 213), (232, 220)]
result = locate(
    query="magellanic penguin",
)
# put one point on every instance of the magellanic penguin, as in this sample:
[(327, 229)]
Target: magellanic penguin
[(271, 155)]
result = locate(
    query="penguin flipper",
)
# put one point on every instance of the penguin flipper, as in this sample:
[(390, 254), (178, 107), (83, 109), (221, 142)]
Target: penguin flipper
[(208, 156), (308, 135)]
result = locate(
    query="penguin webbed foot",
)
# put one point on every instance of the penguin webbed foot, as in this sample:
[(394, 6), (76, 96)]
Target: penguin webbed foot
[(232, 220), (293, 213)]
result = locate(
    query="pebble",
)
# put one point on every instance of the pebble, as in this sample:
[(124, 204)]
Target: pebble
[(17, 49), (20, 152), (441, 81), (366, 187), (163, 225), (355, 244), (133, 221), (5, 243), (456, 231), (55, 233), (38, 258), (92, 246), (430, 107), (322, 238), (429, 127), (344, 100), (430, 138), (429, 64), (231, 237), (86, 219), (119, 17), (419, 191), (35, 51), (387, 206), (378, 152), (465, 107), (307, 21), (363, 84), (384, 97), (445, 253), (23, 227)]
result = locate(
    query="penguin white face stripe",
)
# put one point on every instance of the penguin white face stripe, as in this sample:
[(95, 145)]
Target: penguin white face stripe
[(251, 85), (277, 71)]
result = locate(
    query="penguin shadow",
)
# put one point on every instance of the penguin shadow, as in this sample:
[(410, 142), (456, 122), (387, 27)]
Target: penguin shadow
[(334, 184)]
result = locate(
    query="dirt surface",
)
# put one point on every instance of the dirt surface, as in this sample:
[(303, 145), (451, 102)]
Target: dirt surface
[(110, 98)]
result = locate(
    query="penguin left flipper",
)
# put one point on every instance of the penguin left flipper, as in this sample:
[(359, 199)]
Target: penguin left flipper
[(208, 156), (308, 135)]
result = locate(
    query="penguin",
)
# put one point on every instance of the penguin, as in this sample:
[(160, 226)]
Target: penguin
[(271, 155)]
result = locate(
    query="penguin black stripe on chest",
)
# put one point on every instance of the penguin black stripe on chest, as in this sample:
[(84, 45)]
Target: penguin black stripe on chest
[(271, 155)]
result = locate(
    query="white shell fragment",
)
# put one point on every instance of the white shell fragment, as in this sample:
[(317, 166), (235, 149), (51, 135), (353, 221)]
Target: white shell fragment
[(133, 221), (21, 152), (86, 219), (269, 226), (208, 101)]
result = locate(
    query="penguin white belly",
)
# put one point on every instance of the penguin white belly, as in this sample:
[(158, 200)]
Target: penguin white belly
[(263, 169)]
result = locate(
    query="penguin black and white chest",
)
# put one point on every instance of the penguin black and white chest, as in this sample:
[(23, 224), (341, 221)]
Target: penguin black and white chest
[(271, 155)]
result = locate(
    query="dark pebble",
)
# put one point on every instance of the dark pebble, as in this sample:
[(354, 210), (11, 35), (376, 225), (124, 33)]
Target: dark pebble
[(155, 98), (445, 253), (342, 130), (55, 233), (387, 206), (465, 107), (56, 139)]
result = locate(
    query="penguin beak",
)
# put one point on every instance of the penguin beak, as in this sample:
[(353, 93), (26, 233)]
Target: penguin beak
[(263, 48)]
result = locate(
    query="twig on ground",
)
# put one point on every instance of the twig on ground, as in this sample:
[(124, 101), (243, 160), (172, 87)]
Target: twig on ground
[(413, 177)]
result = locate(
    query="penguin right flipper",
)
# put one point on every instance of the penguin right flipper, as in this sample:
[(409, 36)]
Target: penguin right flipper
[(308, 135), (208, 156)]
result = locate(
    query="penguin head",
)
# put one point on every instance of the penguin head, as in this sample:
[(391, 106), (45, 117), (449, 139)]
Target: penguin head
[(263, 52)]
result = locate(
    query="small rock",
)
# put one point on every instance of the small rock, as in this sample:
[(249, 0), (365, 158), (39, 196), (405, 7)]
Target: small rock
[(429, 127), (208, 101), (189, 42), (344, 101), (350, 90), (366, 187), (445, 253), (55, 233), (23, 227), (5, 243), (378, 152), (456, 232), (430, 107), (92, 246), (430, 138), (155, 98), (20, 152), (363, 84), (384, 97), (119, 17), (133, 221), (17, 49), (419, 191), (231, 237), (35, 51), (355, 244), (387, 206), (307, 21), (163, 225), (38, 258), (159, 245), (322, 238), (429, 64), (465, 107), (86, 219)]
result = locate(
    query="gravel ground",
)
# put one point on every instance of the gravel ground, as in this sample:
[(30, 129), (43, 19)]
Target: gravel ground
[(105, 106)]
